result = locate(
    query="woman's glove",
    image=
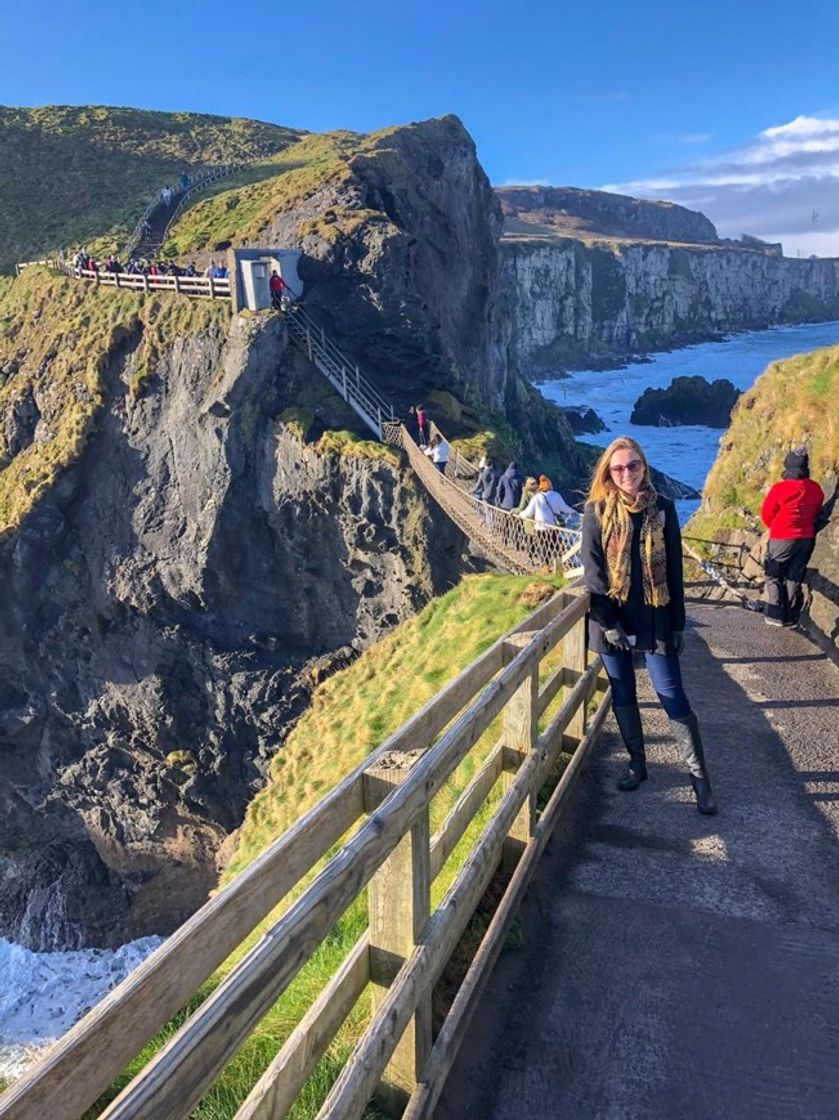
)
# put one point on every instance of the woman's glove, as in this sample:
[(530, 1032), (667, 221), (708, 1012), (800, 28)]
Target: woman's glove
[(678, 641), (616, 637)]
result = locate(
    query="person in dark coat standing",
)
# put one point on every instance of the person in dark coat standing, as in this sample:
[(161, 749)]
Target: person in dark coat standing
[(487, 484), (790, 511), (510, 486), (632, 565)]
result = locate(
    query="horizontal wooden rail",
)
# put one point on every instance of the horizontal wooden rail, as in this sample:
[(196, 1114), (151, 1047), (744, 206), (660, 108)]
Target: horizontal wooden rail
[(422, 1103), (436, 740)]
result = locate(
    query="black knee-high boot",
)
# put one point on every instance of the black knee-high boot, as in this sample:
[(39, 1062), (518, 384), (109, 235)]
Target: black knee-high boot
[(632, 733), (686, 733)]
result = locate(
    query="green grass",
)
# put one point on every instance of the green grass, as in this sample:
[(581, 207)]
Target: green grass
[(239, 211), (74, 175), (350, 715), (63, 338), (792, 402)]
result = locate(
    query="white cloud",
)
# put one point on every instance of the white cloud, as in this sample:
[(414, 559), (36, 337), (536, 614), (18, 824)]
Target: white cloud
[(526, 182), (769, 186)]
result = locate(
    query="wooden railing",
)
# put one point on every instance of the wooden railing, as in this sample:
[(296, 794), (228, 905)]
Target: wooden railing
[(195, 286), (536, 678)]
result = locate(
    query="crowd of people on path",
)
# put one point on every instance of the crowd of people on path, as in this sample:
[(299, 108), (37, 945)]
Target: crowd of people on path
[(532, 498), (83, 261)]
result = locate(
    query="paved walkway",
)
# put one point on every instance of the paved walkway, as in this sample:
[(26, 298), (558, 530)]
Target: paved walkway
[(675, 965)]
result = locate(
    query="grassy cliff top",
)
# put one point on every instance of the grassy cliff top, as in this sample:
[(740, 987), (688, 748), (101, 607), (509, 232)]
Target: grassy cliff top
[(237, 209), (84, 174), (59, 342), (792, 403)]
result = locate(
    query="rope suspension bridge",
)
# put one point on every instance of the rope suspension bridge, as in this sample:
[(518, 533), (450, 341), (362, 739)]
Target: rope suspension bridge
[(511, 542)]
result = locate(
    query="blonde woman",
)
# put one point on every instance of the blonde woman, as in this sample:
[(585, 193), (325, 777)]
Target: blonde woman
[(632, 563)]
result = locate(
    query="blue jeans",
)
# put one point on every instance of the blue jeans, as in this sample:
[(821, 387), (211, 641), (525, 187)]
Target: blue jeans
[(665, 673)]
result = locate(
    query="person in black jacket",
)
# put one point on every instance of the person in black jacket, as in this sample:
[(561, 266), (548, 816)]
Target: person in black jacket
[(632, 564), (510, 485), (487, 483)]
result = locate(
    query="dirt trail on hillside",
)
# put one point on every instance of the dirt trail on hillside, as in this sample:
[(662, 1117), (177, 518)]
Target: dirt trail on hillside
[(673, 964)]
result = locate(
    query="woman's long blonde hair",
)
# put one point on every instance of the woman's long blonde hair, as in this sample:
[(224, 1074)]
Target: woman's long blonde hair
[(601, 480)]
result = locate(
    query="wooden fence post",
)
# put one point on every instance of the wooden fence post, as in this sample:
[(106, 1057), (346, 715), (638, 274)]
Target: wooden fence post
[(399, 904), (521, 730), (574, 658)]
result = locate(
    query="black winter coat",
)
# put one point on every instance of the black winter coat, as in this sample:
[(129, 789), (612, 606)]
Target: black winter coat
[(487, 485), (653, 627), (509, 488)]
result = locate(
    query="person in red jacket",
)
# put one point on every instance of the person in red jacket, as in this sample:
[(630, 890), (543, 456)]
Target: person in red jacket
[(790, 511)]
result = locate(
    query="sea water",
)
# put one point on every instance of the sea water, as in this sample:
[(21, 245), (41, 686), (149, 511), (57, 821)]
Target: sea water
[(43, 994), (687, 452)]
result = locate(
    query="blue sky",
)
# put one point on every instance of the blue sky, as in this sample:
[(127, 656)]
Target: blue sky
[(660, 99)]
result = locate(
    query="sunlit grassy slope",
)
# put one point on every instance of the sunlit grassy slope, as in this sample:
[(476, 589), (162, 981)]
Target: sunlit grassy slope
[(84, 174), (59, 340), (351, 714), (793, 402), (236, 211)]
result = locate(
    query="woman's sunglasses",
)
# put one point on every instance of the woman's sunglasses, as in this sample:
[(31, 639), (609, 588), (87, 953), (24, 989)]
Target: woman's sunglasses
[(631, 466)]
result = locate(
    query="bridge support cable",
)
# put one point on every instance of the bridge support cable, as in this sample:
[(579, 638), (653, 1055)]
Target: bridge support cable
[(511, 542)]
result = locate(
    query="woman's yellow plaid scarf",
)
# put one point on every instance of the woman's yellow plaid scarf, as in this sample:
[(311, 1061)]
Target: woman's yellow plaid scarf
[(616, 531)]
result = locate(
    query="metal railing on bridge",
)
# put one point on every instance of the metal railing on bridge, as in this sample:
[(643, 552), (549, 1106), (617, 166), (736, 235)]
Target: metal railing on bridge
[(359, 393), (538, 680)]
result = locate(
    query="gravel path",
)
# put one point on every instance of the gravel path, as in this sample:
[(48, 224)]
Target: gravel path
[(676, 965)]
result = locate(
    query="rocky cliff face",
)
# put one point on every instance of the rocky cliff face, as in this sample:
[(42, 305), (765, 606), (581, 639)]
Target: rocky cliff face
[(167, 602), (400, 235), (571, 209), (574, 303)]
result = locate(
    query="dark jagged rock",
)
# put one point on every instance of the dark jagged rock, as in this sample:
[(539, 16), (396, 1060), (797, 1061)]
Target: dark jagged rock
[(583, 421), (687, 400), (182, 587)]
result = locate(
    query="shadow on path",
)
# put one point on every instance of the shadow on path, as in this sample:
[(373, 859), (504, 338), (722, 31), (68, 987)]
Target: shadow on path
[(675, 965)]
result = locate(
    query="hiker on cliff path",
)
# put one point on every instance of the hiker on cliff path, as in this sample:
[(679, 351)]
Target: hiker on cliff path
[(790, 512), (278, 286), (422, 424), (632, 565), (487, 484)]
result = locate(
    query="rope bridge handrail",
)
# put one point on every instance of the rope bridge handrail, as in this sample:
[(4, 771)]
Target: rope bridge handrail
[(515, 543)]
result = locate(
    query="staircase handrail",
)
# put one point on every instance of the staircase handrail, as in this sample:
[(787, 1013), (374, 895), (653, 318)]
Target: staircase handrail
[(341, 371), (202, 181)]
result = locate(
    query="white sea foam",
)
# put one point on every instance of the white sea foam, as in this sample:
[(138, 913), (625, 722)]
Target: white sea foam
[(687, 452), (43, 994)]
